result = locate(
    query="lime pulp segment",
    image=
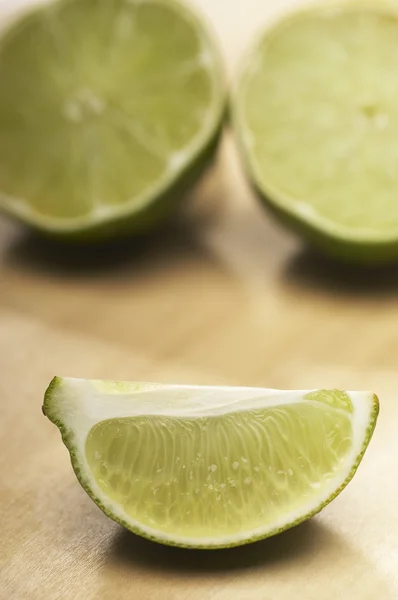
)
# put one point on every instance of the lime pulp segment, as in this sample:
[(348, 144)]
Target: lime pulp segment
[(218, 475), (210, 467), (103, 106)]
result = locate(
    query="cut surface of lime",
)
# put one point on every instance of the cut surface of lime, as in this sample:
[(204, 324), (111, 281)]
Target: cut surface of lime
[(209, 467), (316, 111), (109, 111)]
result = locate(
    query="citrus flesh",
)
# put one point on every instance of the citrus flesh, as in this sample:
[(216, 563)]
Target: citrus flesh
[(105, 108), (210, 467), (317, 117)]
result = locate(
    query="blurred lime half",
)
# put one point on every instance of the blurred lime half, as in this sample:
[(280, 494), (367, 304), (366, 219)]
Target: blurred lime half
[(316, 109), (109, 112)]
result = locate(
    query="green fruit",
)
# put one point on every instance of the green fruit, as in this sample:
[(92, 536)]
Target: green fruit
[(210, 467), (317, 119), (109, 112)]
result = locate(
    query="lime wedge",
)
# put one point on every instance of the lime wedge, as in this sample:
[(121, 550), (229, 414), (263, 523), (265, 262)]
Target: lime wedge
[(317, 117), (210, 467), (109, 112)]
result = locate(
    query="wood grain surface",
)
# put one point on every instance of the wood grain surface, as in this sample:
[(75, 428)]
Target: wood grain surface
[(225, 296)]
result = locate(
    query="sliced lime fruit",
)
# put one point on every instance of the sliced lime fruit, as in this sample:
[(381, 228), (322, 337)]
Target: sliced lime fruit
[(210, 467), (109, 112), (317, 117)]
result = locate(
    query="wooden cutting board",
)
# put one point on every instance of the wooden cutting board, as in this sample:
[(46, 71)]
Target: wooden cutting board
[(224, 297)]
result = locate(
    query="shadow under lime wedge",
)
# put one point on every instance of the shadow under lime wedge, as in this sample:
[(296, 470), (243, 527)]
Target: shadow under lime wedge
[(210, 467), (109, 112), (316, 112)]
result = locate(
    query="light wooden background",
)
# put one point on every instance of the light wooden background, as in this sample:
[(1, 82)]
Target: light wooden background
[(225, 297)]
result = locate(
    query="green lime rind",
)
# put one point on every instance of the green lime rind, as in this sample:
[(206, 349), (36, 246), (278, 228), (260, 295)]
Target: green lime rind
[(164, 194), (68, 437), (352, 244)]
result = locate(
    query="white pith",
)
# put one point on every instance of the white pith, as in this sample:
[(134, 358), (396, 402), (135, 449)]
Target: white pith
[(78, 406)]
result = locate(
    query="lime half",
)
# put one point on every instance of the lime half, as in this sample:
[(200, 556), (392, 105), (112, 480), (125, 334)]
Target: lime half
[(317, 115), (210, 467), (109, 112)]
